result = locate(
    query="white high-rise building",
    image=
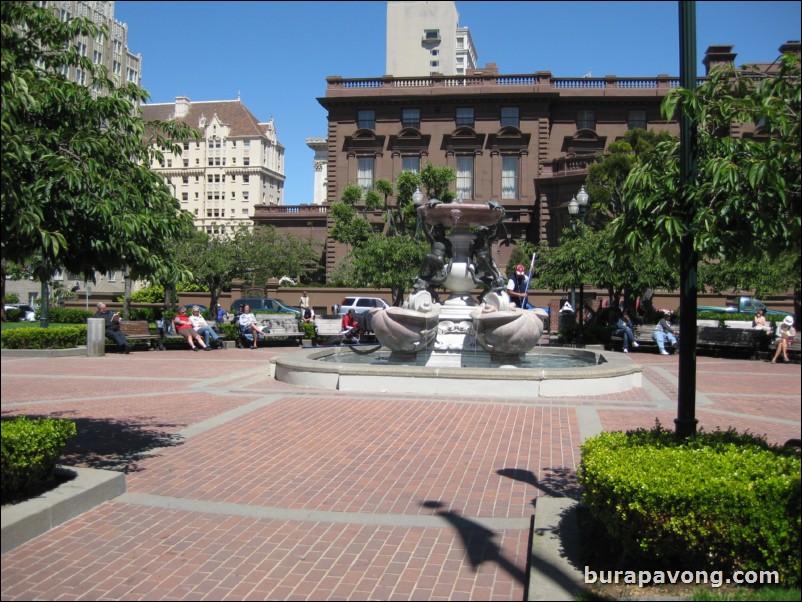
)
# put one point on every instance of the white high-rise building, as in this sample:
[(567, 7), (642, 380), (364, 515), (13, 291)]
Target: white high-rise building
[(425, 38), (237, 163), (110, 51)]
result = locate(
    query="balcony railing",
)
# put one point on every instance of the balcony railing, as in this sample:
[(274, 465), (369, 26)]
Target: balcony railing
[(542, 79)]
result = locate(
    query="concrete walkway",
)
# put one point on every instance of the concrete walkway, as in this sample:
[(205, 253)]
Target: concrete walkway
[(239, 487)]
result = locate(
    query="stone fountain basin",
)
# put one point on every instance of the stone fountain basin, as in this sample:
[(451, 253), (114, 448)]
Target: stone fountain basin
[(614, 374), (464, 214)]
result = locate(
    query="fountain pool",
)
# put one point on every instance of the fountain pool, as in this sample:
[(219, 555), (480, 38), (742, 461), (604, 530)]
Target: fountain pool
[(543, 372)]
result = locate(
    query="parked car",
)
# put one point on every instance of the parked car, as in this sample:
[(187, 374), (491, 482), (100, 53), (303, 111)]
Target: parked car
[(746, 305), (28, 314), (360, 304), (264, 305)]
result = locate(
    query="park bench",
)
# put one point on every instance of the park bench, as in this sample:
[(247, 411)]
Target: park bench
[(279, 326), (139, 330), (643, 336), (329, 331), (793, 349), (716, 340)]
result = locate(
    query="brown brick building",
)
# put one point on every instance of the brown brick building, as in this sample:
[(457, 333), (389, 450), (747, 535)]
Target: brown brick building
[(523, 140)]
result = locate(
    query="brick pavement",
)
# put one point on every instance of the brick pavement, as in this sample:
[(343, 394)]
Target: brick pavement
[(239, 487)]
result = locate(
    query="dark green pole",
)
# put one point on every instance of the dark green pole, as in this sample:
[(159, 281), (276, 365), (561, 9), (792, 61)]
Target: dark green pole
[(685, 423)]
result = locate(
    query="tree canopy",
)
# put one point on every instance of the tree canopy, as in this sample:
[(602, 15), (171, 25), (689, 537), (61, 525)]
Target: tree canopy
[(77, 189), (745, 200)]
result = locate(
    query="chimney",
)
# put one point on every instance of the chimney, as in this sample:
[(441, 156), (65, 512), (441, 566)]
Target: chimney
[(790, 47), (181, 106), (718, 55)]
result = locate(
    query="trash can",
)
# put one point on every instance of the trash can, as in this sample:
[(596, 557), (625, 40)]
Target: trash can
[(95, 337)]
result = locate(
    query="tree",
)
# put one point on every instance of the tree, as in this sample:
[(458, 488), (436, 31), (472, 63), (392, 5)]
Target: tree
[(745, 201), (390, 258), (77, 189)]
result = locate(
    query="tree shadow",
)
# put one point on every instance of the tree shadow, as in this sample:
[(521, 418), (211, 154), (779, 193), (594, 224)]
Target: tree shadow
[(478, 542), (559, 482), (109, 443)]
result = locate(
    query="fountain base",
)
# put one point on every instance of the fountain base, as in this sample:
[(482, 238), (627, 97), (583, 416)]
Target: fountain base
[(380, 371)]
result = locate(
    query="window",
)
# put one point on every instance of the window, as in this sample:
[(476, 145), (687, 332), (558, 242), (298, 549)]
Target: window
[(364, 178), (431, 34), (435, 52), (586, 119), (434, 63), (80, 77), (465, 116), (465, 177), (246, 179), (246, 160), (185, 180), (509, 116), (410, 118), (509, 177), (97, 57), (460, 43), (636, 119), (245, 195), (186, 163), (185, 197), (410, 164), (366, 120)]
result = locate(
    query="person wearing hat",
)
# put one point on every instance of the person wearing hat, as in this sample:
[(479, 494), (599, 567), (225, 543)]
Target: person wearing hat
[(785, 334), (222, 315), (518, 288)]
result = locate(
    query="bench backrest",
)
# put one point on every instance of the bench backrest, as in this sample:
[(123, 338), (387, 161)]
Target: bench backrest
[(132, 327), (277, 322), (736, 336), (328, 326)]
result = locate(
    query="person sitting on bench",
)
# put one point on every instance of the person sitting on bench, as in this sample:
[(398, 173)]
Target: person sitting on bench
[(249, 325)]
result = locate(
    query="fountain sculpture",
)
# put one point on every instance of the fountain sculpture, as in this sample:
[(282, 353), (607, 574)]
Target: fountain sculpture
[(462, 345), (461, 237)]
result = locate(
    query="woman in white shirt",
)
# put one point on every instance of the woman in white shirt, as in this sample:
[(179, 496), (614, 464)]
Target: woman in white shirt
[(249, 325)]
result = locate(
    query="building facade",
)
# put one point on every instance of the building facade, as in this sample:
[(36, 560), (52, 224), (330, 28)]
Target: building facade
[(523, 140), (236, 164), (110, 51), (424, 38), (321, 167)]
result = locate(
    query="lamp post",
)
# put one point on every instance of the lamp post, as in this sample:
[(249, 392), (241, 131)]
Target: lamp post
[(417, 199), (578, 208)]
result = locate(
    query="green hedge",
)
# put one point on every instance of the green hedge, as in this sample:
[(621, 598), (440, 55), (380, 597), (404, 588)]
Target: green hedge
[(720, 501), (29, 451), (35, 337), (63, 315)]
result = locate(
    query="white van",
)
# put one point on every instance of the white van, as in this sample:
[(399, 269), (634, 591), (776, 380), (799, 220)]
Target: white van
[(360, 304)]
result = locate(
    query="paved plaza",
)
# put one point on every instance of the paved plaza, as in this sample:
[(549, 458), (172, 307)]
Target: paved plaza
[(240, 487)]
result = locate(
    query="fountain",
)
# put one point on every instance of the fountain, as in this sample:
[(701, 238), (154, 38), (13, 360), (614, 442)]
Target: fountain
[(460, 346)]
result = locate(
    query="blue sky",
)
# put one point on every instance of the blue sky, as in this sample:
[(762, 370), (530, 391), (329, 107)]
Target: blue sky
[(277, 55)]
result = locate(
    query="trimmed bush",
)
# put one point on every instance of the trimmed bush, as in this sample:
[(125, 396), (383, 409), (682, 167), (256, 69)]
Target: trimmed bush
[(55, 337), (29, 451), (64, 315), (719, 501)]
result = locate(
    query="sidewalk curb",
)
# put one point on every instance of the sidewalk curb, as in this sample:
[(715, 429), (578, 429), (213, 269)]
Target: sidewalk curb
[(555, 544), (26, 520)]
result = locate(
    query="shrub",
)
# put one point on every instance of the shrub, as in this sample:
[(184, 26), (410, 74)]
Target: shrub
[(56, 337), (308, 329), (64, 315), (229, 330), (719, 501), (30, 449)]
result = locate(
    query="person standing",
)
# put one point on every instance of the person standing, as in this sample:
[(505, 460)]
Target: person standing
[(113, 327), (518, 288), (202, 327), (304, 302)]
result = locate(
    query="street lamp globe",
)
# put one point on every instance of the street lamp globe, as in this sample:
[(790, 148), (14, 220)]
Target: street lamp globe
[(582, 197), (573, 206), (417, 197)]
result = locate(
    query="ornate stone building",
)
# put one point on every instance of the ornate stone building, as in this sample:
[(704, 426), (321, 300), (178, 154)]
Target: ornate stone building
[(237, 163)]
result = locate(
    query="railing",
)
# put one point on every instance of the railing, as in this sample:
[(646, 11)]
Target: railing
[(542, 78)]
